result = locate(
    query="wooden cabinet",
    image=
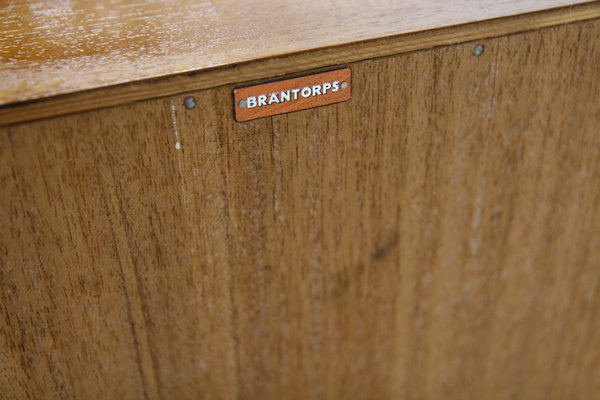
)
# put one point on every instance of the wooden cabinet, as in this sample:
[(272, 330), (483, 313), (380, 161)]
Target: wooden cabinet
[(436, 236)]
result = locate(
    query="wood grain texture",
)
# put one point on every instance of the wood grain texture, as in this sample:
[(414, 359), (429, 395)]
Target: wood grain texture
[(437, 236), (49, 47), (84, 100)]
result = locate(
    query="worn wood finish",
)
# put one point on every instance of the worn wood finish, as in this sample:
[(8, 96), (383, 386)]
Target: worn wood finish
[(49, 47), (257, 68), (437, 236)]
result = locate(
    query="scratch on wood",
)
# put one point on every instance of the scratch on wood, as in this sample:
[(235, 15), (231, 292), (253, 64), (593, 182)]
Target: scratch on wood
[(174, 125)]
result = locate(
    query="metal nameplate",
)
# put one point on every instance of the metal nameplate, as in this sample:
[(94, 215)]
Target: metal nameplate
[(292, 94)]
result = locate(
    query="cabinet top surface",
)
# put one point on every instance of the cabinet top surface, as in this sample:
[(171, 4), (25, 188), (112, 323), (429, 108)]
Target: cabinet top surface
[(56, 47)]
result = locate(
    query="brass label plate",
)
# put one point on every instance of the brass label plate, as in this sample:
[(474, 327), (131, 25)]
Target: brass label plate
[(292, 94)]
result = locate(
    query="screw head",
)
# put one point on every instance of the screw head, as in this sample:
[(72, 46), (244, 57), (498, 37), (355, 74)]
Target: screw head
[(189, 102), (344, 85), (478, 50), (243, 104)]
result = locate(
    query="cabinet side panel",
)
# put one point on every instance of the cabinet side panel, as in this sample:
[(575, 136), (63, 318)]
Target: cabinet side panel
[(437, 236)]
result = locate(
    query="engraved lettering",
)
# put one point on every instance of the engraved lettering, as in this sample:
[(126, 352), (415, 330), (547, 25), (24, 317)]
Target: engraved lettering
[(335, 86), (273, 98), (292, 94)]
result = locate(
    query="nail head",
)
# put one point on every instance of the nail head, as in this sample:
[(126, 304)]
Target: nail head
[(189, 102), (478, 50)]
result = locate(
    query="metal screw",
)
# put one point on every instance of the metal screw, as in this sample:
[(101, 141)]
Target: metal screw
[(189, 102), (243, 104), (344, 85), (478, 50)]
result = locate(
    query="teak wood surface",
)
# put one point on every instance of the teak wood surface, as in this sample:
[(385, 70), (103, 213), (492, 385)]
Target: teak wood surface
[(57, 47), (52, 54), (435, 237)]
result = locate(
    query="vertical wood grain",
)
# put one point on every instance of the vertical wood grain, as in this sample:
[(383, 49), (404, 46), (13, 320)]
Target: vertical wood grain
[(437, 236)]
